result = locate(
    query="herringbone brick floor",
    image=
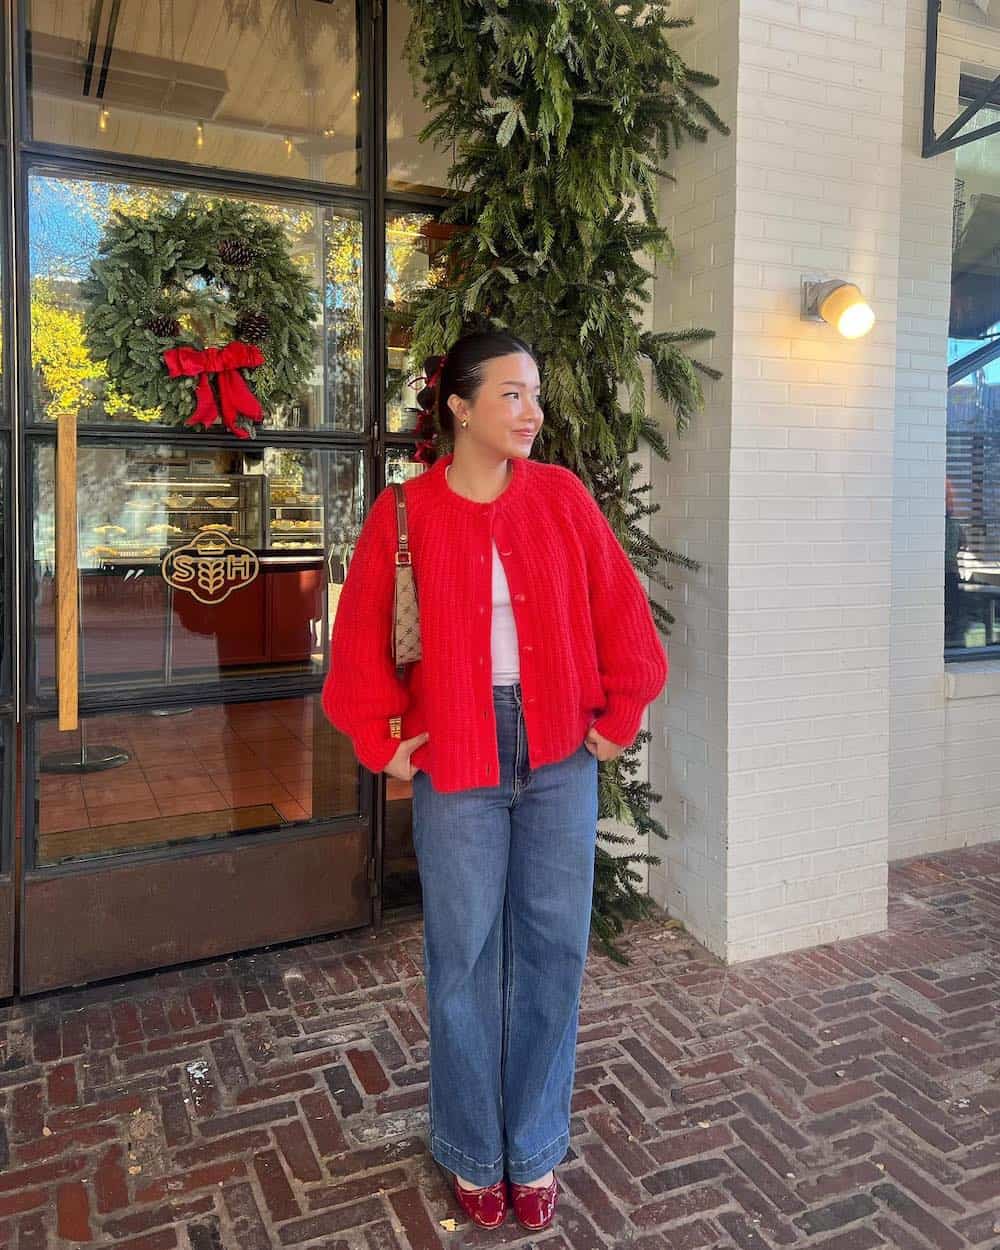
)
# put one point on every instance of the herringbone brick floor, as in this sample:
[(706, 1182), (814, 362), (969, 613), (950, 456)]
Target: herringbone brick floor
[(846, 1097)]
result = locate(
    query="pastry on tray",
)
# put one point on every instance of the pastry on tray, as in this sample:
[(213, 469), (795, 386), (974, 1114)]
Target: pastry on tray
[(222, 501), (163, 528), (110, 529), (179, 501), (216, 527)]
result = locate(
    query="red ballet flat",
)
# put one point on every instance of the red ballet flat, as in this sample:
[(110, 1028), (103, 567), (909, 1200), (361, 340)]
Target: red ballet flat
[(487, 1207), (534, 1205)]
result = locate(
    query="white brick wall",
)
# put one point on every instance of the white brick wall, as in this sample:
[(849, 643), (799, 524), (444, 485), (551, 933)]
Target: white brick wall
[(778, 761), (944, 783), (689, 757), (917, 760), (812, 730), (818, 157)]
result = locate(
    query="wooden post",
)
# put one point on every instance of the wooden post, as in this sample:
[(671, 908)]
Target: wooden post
[(67, 575)]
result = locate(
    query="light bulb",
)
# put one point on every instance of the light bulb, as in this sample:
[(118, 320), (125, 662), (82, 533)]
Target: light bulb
[(199, 135), (856, 320), (838, 303), (847, 310)]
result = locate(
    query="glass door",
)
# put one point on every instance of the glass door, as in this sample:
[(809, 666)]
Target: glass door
[(8, 540), (181, 792), (184, 792), (172, 790)]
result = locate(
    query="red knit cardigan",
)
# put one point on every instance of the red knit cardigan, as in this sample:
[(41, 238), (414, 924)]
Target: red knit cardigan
[(590, 651)]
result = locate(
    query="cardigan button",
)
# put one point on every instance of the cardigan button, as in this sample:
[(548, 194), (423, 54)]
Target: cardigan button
[(519, 598), (528, 647)]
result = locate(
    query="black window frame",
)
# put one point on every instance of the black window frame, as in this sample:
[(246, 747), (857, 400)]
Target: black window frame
[(23, 156)]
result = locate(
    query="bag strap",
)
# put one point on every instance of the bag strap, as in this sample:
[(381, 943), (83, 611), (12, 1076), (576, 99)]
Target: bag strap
[(402, 532), (403, 557)]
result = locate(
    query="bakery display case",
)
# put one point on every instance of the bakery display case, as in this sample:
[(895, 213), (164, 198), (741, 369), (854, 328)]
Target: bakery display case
[(161, 512), (141, 623), (293, 516)]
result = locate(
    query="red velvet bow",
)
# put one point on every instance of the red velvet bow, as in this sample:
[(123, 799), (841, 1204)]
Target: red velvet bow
[(425, 451), (235, 396)]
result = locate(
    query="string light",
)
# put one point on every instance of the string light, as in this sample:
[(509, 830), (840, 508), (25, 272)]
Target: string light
[(199, 135), (289, 146), (102, 119)]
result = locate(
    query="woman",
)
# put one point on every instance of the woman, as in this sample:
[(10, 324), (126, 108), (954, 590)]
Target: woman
[(540, 654)]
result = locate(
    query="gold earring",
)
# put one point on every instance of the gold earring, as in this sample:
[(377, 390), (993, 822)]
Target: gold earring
[(465, 424)]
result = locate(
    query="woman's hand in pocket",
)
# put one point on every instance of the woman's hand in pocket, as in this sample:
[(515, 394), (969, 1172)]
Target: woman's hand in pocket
[(600, 747), (399, 766)]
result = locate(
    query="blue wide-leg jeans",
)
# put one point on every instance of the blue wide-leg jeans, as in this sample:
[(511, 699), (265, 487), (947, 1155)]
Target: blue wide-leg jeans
[(507, 875)]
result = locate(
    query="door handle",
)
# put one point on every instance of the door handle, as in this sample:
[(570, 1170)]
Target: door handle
[(67, 575)]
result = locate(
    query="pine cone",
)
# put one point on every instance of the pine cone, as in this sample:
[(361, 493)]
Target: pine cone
[(253, 327), (237, 253), (164, 326)]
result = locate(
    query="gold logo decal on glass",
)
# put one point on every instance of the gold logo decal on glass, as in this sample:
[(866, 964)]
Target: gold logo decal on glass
[(210, 567)]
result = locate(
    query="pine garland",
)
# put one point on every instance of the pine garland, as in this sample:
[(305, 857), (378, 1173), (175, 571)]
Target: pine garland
[(188, 274), (561, 114)]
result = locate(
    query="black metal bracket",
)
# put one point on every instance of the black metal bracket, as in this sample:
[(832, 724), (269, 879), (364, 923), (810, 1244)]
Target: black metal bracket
[(979, 91)]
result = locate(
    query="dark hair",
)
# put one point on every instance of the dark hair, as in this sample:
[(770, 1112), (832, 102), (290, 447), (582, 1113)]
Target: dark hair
[(463, 370)]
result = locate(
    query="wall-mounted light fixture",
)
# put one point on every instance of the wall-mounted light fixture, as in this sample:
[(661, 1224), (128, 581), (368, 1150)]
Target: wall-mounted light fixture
[(838, 303)]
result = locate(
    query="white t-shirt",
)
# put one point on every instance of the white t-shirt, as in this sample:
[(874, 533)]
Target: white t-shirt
[(503, 633)]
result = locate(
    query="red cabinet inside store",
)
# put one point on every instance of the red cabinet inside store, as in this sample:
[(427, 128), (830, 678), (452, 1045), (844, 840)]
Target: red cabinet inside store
[(272, 620)]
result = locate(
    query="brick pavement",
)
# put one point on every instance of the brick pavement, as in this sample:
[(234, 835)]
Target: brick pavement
[(845, 1097)]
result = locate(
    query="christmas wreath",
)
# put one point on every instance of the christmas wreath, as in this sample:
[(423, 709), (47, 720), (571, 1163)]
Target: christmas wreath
[(195, 291)]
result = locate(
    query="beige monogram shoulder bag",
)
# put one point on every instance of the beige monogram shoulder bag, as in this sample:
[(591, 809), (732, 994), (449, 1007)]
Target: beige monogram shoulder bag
[(406, 624)]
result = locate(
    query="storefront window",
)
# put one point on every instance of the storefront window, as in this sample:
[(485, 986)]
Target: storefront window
[(972, 487), (197, 564), (193, 303), (7, 735), (412, 165), (262, 86), (399, 467), (413, 246), (4, 297), (6, 641), (128, 782)]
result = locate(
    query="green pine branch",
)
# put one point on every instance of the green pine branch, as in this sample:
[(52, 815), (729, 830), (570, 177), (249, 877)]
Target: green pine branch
[(561, 116)]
